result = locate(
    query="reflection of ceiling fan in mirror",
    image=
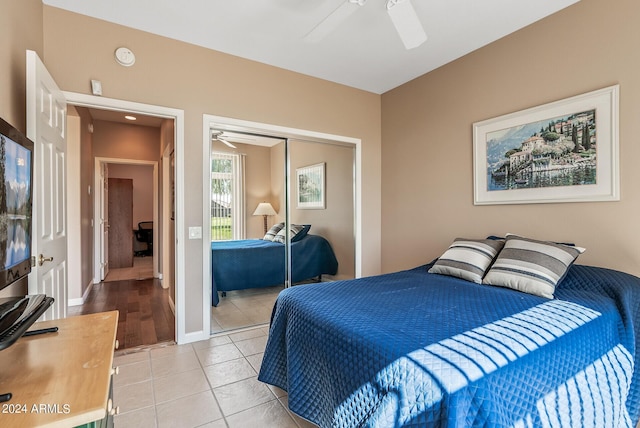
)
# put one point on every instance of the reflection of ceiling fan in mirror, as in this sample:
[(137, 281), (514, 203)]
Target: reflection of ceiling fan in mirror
[(218, 136), (402, 14)]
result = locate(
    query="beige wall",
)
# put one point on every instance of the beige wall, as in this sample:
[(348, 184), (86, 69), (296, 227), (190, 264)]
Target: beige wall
[(427, 189), (124, 141), (199, 81), (80, 189), (257, 186), (278, 189), (20, 29)]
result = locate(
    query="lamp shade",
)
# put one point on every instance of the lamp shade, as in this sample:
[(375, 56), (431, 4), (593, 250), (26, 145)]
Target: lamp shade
[(264, 208)]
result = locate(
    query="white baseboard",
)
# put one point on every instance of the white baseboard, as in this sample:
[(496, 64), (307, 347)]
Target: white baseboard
[(195, 336), (164, 284), (75, 302), (80, 301)]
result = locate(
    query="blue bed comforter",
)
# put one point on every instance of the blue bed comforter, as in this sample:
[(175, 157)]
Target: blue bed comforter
[(253, 263), (419, 349)]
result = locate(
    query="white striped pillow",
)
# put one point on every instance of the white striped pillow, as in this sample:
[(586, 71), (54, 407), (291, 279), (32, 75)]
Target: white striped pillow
[(531, 266), (468, 258)]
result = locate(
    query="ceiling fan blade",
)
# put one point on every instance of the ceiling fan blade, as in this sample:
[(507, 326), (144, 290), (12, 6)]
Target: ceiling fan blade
[(217, 136), (334, 19), (407, 23), (227, 143)]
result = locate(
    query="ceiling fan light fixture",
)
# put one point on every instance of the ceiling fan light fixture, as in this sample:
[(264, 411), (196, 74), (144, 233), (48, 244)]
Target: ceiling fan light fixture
[(408, 25)]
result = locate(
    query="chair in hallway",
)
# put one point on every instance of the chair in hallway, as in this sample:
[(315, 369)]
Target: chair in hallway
[(144, 234)]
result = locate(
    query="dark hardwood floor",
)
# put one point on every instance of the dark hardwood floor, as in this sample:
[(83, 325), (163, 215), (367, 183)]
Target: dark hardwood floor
[(145, 317)]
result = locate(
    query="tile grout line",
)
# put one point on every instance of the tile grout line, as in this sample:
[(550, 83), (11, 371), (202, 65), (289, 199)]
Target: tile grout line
[(224, 417), (153, 392)]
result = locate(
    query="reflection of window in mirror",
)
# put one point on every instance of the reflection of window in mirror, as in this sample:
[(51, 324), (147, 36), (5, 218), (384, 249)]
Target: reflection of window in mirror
[(227, 196)]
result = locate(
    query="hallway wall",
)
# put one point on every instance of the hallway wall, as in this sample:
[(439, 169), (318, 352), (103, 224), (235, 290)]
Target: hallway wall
[(123, 141)]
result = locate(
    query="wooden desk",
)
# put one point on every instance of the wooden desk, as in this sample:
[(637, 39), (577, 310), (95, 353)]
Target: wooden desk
[(59, 379)]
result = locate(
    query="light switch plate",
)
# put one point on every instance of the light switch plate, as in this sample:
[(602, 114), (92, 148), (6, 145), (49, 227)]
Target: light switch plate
[(195, 232)]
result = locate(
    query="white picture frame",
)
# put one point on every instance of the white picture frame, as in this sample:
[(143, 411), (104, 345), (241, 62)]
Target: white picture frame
[(310, 185), (564, 151)]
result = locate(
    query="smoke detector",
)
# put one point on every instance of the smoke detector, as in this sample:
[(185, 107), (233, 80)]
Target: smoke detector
[(125, 57)]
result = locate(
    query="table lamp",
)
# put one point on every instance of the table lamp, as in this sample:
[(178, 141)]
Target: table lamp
[(264, 209)]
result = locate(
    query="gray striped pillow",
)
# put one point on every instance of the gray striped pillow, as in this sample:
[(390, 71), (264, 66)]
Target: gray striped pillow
[(273, 232), (468, 258), (531, 266), (295, 233)]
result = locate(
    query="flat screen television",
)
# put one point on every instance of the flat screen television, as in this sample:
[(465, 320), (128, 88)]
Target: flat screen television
[(16, 179)]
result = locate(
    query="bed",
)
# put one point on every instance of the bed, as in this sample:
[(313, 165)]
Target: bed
[(422, 349), (256, 263)]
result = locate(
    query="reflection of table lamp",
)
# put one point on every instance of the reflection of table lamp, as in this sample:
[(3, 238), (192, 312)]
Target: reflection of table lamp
[(264, 209)]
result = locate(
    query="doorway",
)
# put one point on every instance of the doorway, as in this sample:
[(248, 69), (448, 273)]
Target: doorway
[(132, 194), (174, 132), (144, 174)]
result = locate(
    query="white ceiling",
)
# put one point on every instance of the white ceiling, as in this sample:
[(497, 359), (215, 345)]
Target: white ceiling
[(364, 52)]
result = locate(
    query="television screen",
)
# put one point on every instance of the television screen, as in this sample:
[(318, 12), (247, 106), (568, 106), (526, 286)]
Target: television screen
[(16, 176)]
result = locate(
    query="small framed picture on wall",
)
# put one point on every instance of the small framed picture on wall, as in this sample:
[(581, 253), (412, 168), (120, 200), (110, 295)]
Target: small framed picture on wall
[(310, 182)]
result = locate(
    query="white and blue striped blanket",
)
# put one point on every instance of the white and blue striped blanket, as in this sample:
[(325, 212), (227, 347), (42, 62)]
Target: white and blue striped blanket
[(418, 349)]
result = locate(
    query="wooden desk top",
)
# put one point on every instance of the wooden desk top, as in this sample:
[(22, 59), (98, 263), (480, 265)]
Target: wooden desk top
[(59, 379)]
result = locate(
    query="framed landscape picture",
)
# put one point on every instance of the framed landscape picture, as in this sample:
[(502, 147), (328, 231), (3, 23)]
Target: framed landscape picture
[(565, 151), (310, 185)]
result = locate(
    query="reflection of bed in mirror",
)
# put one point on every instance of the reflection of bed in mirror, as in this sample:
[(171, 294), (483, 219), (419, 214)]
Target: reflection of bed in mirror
[(257, 263)]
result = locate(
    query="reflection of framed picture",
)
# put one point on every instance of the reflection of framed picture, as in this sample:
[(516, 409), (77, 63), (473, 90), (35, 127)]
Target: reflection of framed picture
[(310, 185), (565, 151)]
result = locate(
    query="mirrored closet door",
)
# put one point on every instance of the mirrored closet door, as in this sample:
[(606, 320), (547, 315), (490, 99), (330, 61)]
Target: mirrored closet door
[(321, 198), (282, 214)]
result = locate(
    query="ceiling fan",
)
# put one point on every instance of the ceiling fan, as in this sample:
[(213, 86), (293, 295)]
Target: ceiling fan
[(217, 136), (402, 14)]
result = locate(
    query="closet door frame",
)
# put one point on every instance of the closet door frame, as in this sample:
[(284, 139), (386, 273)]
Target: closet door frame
[(210, 122)]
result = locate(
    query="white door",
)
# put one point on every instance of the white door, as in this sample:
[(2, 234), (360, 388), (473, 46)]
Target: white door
[(104, 221), (46, 115)]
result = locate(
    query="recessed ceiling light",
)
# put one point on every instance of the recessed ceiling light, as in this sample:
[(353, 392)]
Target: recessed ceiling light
[(130, 117)]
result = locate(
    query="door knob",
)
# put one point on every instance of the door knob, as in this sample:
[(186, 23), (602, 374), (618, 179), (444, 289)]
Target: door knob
[(43, 259)]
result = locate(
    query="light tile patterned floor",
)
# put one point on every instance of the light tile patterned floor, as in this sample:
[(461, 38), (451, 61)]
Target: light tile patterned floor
[(244, 308), (211, 384)]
